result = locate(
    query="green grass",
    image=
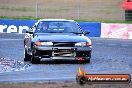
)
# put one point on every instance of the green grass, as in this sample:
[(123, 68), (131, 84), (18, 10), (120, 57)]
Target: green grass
[(20, 18), (106, 21), (78, 20)]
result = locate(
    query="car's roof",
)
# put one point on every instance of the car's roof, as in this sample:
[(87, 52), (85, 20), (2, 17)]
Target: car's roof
[(55, 20)]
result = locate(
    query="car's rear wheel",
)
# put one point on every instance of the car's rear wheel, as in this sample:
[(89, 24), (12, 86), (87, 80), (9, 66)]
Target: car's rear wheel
[(88, 58), (87, 61), (27, 56)]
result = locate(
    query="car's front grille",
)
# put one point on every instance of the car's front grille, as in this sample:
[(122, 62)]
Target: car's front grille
[(64, 44), (64, 53)]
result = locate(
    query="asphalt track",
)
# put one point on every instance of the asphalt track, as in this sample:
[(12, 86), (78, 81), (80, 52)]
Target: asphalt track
[(108, 56)]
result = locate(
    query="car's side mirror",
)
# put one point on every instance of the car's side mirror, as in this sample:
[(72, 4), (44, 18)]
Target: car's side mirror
[(30, 31), (86, 32), (34, 26)]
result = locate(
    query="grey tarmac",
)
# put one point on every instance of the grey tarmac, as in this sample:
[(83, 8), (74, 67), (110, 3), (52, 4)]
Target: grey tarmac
[(108, 56)]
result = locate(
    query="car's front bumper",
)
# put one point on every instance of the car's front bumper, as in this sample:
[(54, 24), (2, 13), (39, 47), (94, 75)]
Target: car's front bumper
[(54, 48), (62, 53)]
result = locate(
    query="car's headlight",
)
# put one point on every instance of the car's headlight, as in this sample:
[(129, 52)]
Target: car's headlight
[(83, 44), (44, 43)]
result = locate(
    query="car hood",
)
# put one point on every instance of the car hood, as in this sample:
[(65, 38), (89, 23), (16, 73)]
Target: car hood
[(59, 37)]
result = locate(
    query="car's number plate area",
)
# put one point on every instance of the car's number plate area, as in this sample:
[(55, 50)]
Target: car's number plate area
[(64, 53)]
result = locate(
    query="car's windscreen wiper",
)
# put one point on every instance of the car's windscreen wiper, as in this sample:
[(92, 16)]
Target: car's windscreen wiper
[(77, 32)]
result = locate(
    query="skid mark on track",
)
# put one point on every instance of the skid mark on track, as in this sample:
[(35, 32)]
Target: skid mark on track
[(8, 65)]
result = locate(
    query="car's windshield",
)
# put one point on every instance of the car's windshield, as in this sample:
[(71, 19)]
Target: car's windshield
[(57, 27)]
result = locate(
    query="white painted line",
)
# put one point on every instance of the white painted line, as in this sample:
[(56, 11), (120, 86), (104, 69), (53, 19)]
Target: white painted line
[(125, 45), (99, 43), (111, 44), (9, 39)]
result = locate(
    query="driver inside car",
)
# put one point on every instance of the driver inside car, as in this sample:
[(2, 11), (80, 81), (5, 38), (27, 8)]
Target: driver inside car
[(45, 27)]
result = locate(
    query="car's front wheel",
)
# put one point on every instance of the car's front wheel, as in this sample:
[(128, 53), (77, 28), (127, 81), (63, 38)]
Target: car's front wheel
[(27, 56), (34, 60)]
